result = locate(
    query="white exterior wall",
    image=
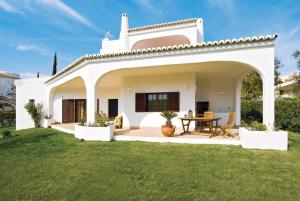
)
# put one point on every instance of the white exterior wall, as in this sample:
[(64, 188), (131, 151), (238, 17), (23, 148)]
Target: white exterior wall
[(220, 94), (182, 83), (27, 89), (189, 30), (64, 93), (103, 94), (193, 31)]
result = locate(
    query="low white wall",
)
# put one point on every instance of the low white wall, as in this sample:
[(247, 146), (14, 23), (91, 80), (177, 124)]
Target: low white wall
[(27, 89), (273, 140), (94, 133), (182, 83)]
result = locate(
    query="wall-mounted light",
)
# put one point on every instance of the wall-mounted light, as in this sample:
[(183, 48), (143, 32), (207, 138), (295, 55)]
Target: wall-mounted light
[(220, 93), (186, 86)]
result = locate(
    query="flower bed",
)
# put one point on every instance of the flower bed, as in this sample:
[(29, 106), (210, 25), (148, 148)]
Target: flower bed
[(90, 133), (274, 140)]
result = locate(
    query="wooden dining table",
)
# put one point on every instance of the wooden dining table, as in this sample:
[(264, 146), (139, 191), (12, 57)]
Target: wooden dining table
[(188, 121)]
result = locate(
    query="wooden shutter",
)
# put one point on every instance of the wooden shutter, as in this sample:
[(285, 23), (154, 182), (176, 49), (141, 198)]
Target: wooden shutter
[(140, 102), (173, 101)]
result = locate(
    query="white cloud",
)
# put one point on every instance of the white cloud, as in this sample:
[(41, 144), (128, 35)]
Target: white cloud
[(7, 7), (146, 4), (227, 6), (223, 4), (35, 48), (68, 11), (32, 75)]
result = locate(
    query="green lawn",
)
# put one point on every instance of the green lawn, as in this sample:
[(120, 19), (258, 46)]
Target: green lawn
[(44, 164)]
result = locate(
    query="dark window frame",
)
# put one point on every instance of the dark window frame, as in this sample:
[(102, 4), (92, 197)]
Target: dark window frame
[(157, 102)]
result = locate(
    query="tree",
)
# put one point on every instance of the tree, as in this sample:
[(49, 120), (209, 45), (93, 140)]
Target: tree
[(252, 86), (54, 68), (296, 54), (277, 65), (38, 75)]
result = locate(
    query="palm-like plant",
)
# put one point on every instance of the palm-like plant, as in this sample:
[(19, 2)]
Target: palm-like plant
[(169, 115), (36, 112)]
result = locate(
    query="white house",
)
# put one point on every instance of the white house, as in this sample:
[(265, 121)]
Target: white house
[(289, 88), (6, 88), (154, 68)]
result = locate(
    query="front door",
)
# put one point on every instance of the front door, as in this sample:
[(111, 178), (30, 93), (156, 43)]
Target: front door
[(112, 107), (68, 111)]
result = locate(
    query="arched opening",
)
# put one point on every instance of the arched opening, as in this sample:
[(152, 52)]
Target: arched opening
[(252, 98), (161, 42), (67, 102)]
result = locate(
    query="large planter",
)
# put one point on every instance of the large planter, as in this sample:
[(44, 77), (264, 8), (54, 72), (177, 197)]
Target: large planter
[(168, 130), (94, 133), (274, 140), (48, 122)]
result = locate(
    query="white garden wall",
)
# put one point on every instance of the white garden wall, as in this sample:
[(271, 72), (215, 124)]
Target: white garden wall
[(27, 89)]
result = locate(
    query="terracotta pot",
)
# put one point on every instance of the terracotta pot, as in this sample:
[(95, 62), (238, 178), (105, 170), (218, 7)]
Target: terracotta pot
[(168, 130)]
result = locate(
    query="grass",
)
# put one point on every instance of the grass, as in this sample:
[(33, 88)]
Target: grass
[(45, 164)]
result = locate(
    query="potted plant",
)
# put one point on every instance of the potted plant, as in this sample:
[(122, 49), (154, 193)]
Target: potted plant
[(168, 130)]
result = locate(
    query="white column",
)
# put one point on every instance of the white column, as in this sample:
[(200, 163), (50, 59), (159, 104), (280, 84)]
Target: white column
[(90, 103), (268, 100), (238, 101)]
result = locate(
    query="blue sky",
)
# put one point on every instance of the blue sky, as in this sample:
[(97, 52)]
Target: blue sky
[(32, 30)]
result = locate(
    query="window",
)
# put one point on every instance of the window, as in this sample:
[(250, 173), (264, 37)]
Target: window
[(32, 101), (157, 102)]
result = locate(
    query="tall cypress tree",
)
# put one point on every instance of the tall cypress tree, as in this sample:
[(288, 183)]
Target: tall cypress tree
[(38, 74), (54, 69)]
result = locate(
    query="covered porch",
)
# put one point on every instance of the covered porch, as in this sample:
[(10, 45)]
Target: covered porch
[(155, 135)]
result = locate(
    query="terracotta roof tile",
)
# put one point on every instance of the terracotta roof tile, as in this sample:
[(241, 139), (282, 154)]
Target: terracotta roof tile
[(168, 48), (167, 24)]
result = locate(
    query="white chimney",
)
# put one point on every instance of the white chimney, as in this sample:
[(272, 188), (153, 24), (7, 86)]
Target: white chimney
[(124, 33)]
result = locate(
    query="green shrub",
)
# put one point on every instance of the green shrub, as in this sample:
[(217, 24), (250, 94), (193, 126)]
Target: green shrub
[(251, 110), (36, 112), (257, 126), (101, 119), (81, 122), (6, 134), (287, 113)]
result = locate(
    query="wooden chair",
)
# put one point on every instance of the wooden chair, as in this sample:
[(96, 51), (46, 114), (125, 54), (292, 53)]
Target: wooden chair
[(203, 125), (118, 122), (226, 129)]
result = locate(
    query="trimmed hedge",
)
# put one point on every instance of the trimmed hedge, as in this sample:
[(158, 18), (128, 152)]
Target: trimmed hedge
[(287, 113)]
